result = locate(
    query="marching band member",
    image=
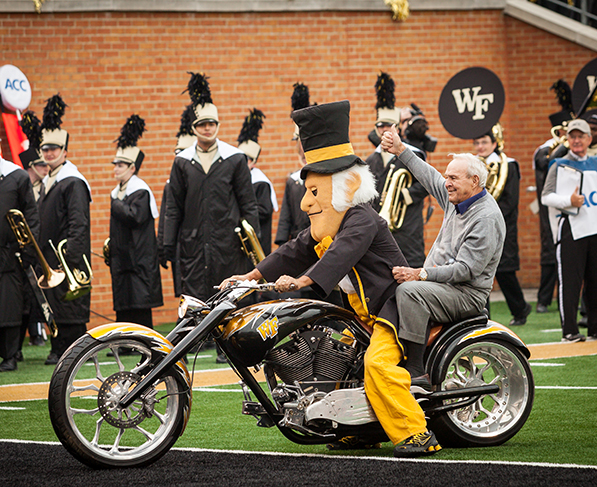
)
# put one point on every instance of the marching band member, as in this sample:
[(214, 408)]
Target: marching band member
[(576, 237), (136, 282), (15, 193), (409, 236), (64, 213)]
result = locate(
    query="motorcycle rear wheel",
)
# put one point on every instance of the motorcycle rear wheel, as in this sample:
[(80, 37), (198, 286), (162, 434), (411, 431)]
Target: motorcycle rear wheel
[(494, 418), (83, 403)]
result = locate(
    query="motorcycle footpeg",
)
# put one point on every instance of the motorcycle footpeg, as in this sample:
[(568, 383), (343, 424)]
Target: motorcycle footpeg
[(252, 408)]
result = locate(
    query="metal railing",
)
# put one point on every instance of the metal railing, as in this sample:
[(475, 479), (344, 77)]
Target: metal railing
[(583, 11)]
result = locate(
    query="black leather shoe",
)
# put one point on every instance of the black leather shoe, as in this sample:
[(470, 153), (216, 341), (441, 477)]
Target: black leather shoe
[(221, 359), (522, 319), (19, 356), (420, 384), (8, 365), (52, 359), (37, 341), (541, 308)]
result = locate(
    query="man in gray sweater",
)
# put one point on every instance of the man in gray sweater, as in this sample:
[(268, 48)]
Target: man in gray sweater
[(458, 274)]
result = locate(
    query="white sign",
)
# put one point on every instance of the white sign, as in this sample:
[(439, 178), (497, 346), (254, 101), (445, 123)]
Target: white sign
[(14, 88)]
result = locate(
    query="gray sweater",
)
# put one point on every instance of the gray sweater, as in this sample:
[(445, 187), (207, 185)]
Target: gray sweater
[(468, 247)]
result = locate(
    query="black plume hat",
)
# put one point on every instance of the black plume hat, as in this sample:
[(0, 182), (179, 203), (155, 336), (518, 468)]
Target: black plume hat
[(185, 136), (127, 150), (52, 134), (249, 134), (200, 93), (31, 126), (387, 113), (564, 97)]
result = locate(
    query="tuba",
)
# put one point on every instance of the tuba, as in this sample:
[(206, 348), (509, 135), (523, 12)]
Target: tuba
[(498, 171), (249, 242), (79, 283), (393, 204), (51, 278)]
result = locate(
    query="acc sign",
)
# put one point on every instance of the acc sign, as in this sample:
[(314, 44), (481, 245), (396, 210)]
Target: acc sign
[(15, 88), (471, 103)]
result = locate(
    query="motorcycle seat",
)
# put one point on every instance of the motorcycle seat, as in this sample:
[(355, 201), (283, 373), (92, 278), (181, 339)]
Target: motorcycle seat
[(436, 327)]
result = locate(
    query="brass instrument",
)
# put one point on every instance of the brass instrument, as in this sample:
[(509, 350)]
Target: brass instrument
[(559, 141), (106, 251), (51, 278), (247, 236), (79, 283), (498, 171), (393, 205)]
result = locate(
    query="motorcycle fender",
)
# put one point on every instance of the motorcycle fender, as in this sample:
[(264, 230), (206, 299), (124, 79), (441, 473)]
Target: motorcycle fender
[(488, 331), (157, 342)]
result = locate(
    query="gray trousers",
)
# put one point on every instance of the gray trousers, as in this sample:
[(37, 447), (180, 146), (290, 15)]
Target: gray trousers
[(418, 302)]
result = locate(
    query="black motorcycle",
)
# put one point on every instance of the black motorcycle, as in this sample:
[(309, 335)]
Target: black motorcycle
[(109, 415)]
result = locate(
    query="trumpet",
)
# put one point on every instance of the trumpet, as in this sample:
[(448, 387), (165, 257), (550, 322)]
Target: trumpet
[(79, 283), (50, 278), (393, 204), (248, 237), (498, 171)]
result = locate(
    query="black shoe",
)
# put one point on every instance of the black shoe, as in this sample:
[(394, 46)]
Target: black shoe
[(541, 308), (584, 321), (573, 338), (522, 319), (19, 356), (352, 443), (417, 445), (8, 365), (37, 341), (221, 359), (420, 384), (52, 359)]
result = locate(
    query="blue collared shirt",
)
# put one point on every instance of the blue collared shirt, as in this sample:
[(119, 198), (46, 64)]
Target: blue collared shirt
[(466, 204)]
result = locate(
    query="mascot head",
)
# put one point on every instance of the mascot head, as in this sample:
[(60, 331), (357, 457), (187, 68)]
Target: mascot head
[(335, 178)]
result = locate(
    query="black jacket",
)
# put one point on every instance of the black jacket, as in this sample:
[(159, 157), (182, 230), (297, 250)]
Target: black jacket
[(410, 236), (266, 209), (136, 281), (548, 248), (64, 214), (202, 212), (508, 203), (15, 193), (292, 219)]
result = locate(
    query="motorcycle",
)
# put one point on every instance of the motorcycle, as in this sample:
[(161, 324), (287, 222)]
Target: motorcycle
[(108, 414)]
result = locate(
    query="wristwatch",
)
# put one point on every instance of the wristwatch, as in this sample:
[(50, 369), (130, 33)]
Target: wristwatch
[(423, 275)]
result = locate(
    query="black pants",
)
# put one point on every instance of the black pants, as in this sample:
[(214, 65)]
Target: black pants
[(549, 278), (68, 333), (512, 292), (577, 264), (9, 341), (139, 316)]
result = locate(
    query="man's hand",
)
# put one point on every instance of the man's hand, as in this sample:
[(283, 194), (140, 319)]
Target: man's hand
[(391, 142), (288, 283), (254, 275), (577, 199), (404, 274)]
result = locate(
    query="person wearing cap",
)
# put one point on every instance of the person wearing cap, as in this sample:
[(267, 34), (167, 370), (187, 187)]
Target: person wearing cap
[(487, 148), (409, 236), (457, 277), (349, 244), (64, 214), (15, 194), (210, 193), (134, 266), (575, 235), (265, 194)]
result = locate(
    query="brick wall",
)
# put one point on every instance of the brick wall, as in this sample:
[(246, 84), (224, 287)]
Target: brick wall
[(110, 65)]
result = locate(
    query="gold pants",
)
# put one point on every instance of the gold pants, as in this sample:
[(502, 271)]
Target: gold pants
[(388, 387)]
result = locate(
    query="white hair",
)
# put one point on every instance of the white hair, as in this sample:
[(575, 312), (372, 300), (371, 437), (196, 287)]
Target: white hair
[(476, 167), (365, 193)]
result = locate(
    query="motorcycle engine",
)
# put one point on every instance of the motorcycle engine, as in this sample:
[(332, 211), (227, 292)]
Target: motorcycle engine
[(313, 358)]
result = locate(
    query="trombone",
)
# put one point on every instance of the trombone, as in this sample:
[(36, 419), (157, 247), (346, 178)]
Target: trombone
[(79, 283), (51, 278), (248, 238)]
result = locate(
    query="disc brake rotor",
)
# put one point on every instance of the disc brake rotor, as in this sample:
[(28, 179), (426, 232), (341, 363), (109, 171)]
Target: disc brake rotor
[(111, 392)]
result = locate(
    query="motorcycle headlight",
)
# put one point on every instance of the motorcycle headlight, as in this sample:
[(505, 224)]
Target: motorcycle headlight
[(188, 304)]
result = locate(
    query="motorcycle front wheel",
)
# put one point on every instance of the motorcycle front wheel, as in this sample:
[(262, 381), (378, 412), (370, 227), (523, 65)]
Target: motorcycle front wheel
[(85, 389), (493, 418)]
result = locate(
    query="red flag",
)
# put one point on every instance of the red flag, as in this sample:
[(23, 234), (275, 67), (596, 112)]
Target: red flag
[(15, 135)]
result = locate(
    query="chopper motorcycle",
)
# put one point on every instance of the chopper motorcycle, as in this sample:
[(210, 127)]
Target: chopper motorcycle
[(126, 411)]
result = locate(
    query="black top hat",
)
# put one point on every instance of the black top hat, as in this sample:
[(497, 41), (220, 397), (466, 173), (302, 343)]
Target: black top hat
[(323, 130)]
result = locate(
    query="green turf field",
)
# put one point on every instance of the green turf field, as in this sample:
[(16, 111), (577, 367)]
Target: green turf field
[(560, 429)]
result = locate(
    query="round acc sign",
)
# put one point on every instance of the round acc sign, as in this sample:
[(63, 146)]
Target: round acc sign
[(15, 88)]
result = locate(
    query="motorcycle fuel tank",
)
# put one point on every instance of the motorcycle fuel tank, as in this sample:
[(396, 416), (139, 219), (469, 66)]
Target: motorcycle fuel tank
[(252, 331)]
